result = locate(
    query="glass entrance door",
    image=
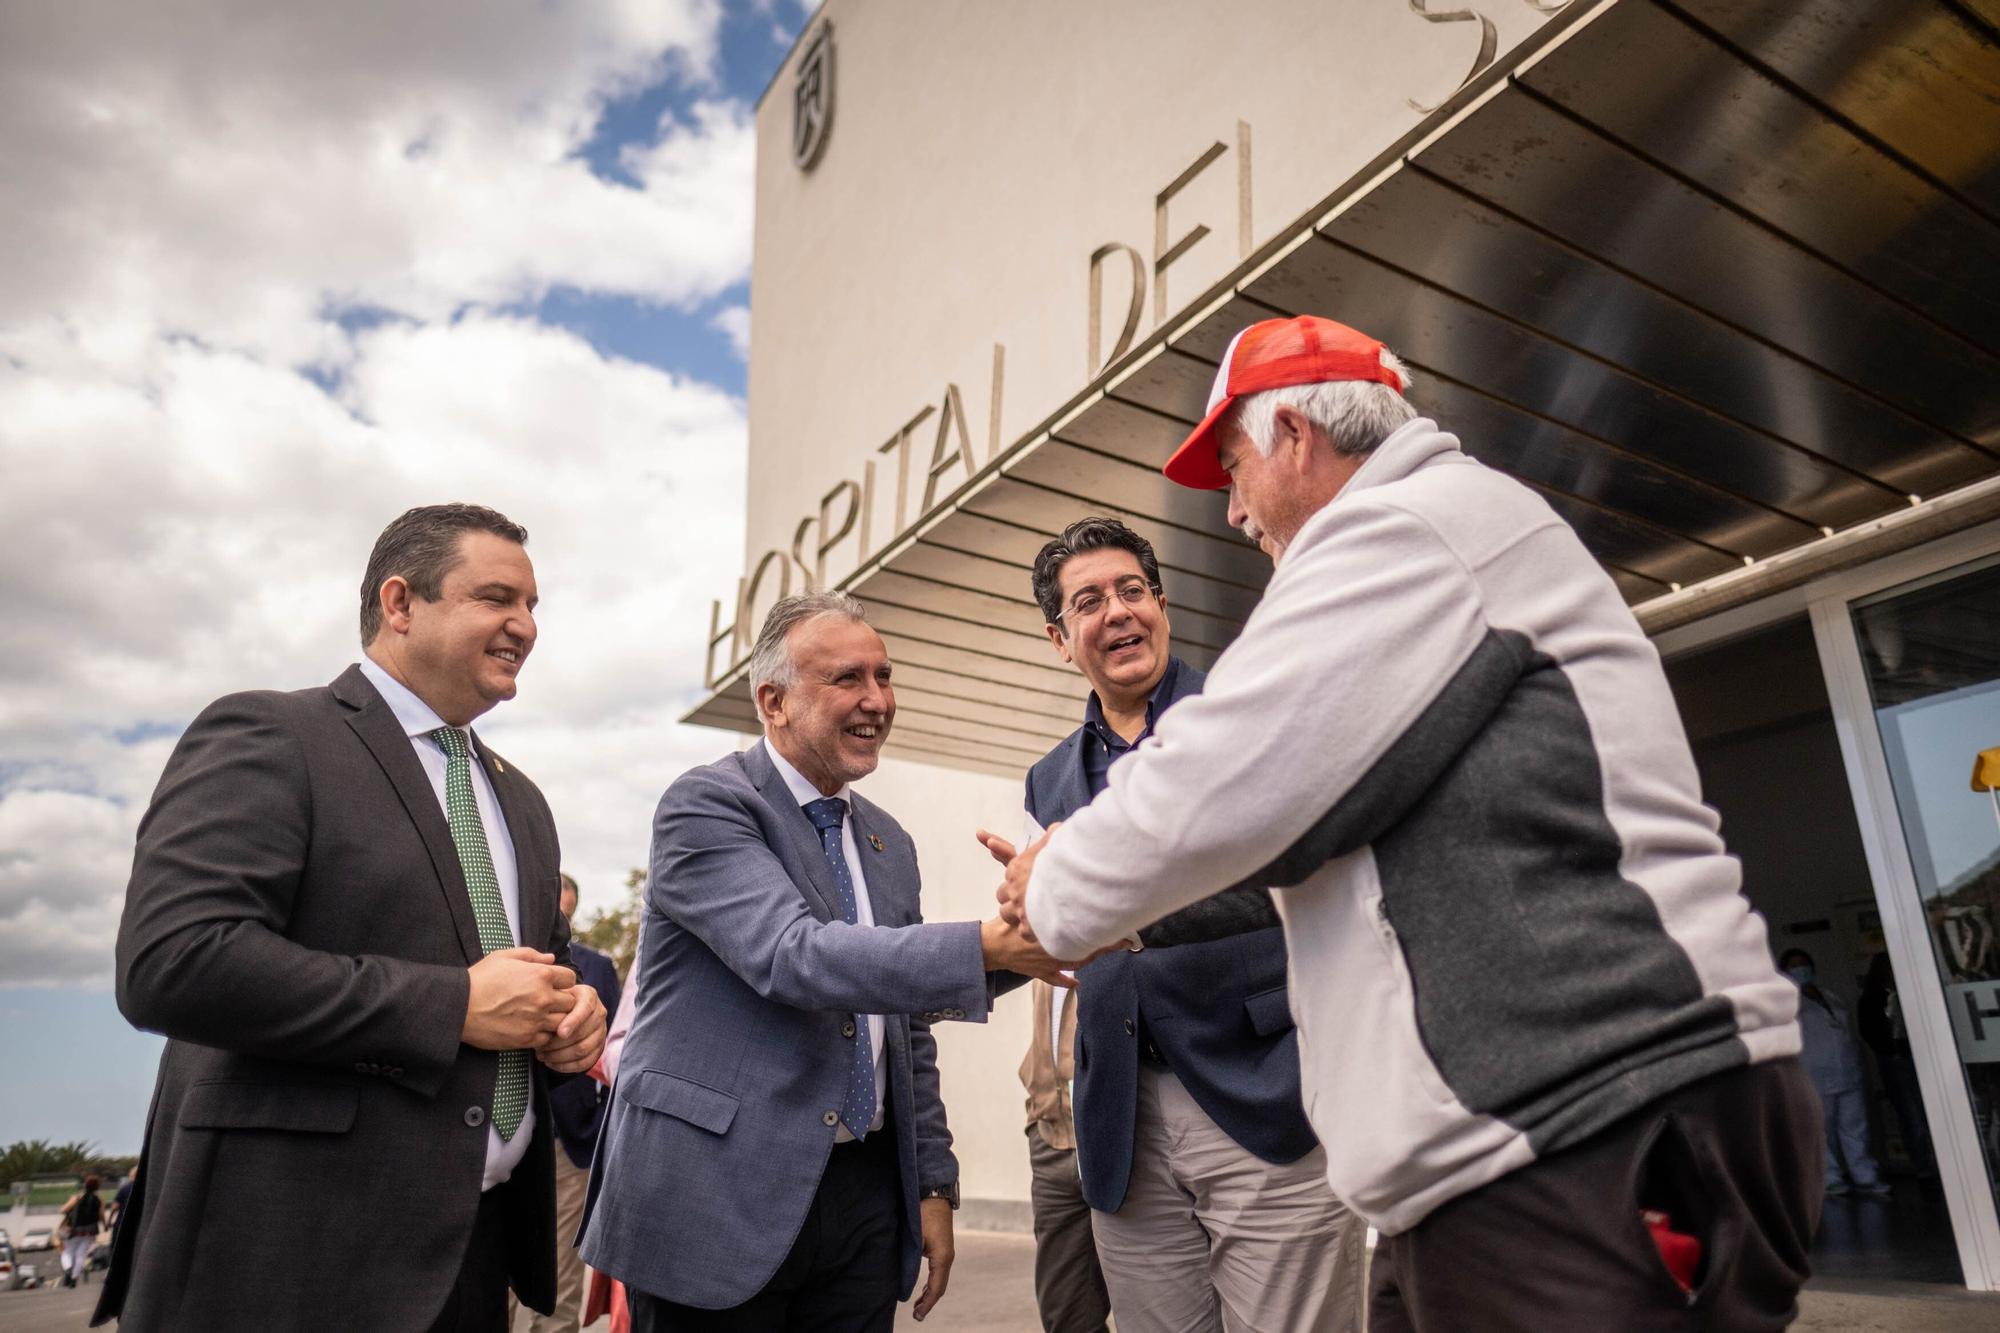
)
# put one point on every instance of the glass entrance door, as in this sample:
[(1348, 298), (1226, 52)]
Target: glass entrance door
[(1930, 655)]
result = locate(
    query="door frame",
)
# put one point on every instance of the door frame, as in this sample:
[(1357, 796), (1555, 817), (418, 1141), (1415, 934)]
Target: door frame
[(1828, 603)]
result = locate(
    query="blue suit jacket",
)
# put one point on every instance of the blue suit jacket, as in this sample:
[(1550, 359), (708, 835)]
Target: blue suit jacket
[(723, 1114), (577, 1106), (1218, 1011)]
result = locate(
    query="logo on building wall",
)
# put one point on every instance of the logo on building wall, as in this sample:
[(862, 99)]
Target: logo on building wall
[(812, 99)]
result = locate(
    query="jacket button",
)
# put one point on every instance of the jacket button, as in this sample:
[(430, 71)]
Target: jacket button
[(847, 1028), (475, 1116), (830, 1119), (395, 1071), (361, 1067), (1129, 1029)]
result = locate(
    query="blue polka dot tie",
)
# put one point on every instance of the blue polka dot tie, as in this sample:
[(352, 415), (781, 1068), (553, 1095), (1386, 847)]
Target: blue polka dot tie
[(857, 1110)]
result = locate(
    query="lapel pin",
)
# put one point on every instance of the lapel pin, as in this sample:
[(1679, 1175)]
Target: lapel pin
[(498, 767), (875, 842)]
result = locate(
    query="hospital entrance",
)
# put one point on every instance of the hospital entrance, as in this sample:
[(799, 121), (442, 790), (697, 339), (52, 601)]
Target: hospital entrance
[(1920, 667)]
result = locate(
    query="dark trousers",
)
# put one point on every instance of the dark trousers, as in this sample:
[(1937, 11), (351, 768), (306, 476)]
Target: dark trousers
[(841, 1273), (1736, 1161), (1069, 1286), (478, 1300)]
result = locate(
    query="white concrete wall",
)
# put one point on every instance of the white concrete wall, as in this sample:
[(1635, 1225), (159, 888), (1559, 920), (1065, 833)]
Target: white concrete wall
[(980, 152)]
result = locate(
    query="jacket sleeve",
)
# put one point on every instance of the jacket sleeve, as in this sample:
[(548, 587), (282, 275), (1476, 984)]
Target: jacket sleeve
[(937, 1165), (1236, 911), (202, 952), (714, 874), (1364, 671)]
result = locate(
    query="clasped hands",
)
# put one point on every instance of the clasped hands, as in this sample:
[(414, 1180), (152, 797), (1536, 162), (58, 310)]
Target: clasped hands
[(1010, 929), (520, 1000)]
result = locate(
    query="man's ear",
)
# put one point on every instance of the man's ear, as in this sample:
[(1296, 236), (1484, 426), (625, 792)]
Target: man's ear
[(394, 598), (1294, 434), (771, 702), (1061, 643)]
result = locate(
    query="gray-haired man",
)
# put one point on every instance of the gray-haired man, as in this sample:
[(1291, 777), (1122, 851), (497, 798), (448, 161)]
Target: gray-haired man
[(776, 1153), (1540, 1031)]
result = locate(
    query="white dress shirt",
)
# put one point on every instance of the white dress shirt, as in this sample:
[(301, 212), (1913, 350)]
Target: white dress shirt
[(805, 794), (418, 722)]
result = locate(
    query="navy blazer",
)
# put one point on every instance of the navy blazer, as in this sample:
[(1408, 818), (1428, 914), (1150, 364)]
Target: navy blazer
[(1217, 1011), (577, 1107), (723, 1115)]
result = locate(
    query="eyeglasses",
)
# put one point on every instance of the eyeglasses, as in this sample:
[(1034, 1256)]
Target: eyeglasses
[(1090, 605)]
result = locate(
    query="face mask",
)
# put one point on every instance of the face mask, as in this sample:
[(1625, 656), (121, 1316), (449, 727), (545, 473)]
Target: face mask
[(1801, 975)]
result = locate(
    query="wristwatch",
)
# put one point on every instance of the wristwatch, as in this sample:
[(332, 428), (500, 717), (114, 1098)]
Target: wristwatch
[(949, 1193)]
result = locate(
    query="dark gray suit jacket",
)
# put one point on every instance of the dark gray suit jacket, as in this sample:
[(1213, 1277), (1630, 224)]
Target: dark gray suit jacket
[(749, 984), (297, 924)]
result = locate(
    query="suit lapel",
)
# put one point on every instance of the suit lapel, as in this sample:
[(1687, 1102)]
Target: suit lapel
[(534, 875), (888, 895), (801, 837), (375, 723), (1076, 778)]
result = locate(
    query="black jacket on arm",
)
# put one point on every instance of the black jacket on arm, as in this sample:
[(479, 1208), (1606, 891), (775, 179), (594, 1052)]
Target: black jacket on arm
[(577, 1105), (298, 926)]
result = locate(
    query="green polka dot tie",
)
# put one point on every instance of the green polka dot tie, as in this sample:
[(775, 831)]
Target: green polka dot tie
[(468, 832)]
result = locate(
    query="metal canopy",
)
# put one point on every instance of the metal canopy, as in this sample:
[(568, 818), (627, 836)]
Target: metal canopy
[(1715, 278)]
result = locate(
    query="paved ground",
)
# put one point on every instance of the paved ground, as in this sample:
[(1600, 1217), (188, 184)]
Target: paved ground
[(992, 1291), (50, 1309)]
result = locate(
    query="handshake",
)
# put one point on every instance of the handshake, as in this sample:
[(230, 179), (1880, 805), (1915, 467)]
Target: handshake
[(1008, 941)]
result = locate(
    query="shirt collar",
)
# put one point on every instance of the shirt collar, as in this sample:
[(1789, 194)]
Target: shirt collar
[(1093, 711), (417, 718), (797, 783)]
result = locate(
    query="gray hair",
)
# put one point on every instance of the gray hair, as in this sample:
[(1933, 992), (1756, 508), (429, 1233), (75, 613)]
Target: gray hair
[(771, 656), (1356, 415)]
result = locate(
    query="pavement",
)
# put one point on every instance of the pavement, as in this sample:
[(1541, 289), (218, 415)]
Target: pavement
[(49, 1308), (992, 1291)]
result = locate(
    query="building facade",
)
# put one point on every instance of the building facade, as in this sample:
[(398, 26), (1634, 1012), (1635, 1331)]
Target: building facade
[(1720, 280)]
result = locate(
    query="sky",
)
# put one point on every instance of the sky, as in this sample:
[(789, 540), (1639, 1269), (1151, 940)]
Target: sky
[(276, 273)]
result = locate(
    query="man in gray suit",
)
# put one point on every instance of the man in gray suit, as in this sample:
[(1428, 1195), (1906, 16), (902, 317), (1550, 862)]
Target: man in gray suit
[(343, 915), (776, 1156)]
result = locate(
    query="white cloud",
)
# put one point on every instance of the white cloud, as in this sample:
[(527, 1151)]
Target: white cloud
[(187, 512), (734, 320), (234, 169)]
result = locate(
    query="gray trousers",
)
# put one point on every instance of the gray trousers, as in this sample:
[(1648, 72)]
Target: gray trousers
[(1213, 1239), (1069, 1289)]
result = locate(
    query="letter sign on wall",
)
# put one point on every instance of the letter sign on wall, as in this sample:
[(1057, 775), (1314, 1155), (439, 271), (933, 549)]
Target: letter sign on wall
[(812, 99)]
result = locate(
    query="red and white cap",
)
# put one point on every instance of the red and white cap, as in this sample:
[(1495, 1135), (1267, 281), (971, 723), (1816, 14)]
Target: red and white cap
[(1275, 354)]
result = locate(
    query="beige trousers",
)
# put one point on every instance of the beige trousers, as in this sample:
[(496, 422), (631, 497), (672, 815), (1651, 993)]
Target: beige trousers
[(1212, 1239), (570, 1183)]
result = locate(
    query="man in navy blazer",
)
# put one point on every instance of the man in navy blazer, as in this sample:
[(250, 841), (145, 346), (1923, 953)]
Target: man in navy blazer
[(775, 1154), (577, 1110), (1207, 1186)]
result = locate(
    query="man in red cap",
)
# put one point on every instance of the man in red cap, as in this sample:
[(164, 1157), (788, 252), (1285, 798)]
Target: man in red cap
[(1541, 1036)]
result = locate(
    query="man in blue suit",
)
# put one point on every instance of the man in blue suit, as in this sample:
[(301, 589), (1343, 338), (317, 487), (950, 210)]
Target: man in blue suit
[(775, 1154), (1206, 1184)]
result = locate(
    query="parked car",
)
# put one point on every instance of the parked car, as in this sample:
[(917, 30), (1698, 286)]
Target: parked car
[(41, 1238), (10, 1270)]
